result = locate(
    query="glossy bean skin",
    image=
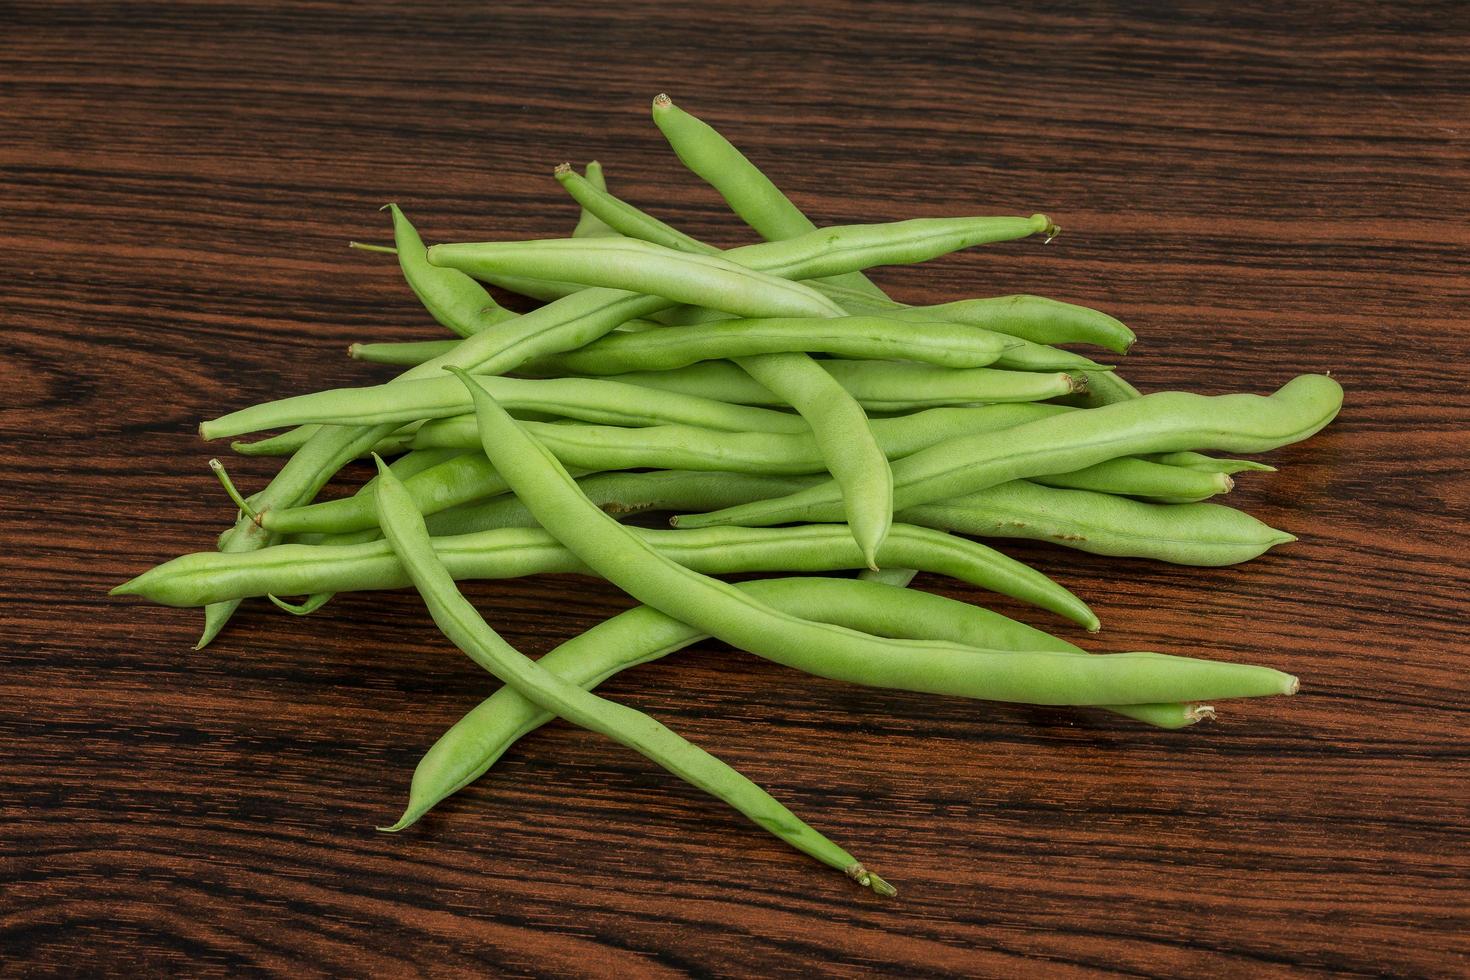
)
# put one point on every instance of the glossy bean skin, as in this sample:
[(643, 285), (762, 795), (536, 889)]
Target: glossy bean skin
[(206, 576), (1036, 319), (710, 281), (653, 268), (1130, 476), (1182, 534), (588, 224), (1209, 464), (879, 386), (592, 400), (462, 625), (1161, 422), (722, 611), (564, 324), (838, 423), (595, 447), (1196, 534), (638, 636), (861, 337), (456, 481), (451, 297), (1020, 355), (752, 195)]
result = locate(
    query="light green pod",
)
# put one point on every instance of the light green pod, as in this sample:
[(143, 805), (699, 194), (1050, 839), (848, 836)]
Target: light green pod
[(863, 337), (590, 447), (451, 297), (593, 400), (638, 636), (721, 610), (1162, 422), (879, 386), (459, 621), (205, 577)]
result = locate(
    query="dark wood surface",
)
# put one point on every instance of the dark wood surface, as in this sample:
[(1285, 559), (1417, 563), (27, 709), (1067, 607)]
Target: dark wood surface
[(1258, 192)]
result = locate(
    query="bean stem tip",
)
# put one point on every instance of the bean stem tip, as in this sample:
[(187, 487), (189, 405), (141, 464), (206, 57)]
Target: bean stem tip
[(868, 879)]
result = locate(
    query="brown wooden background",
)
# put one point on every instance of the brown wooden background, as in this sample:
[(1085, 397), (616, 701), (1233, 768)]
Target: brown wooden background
[(1257, 191)]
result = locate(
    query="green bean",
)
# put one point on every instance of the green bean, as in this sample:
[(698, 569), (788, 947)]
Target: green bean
[(680, 447), (284, 444), (456, 481), (1039, 320), (588, 224), (838, 423), (1209, 464), (950, 345), (1021, 356), (450, 296), (709, 280), (408, 465), (624, 263), (719, 609), (1034, 318), (640, 635), (564, 324), (1129, 476), (404, 529), (879, 386), (1162, 422), (595, 400), (751, 194), (1195, 534), (205, 577), (1183, 534)]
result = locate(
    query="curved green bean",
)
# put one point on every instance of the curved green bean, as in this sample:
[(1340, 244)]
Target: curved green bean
[(451, 297), (205, 577), (1162, 422), (863, 337), (1033, 318), (640, 635), (719, 609), (588, 224), (751, 194), (404, 528)]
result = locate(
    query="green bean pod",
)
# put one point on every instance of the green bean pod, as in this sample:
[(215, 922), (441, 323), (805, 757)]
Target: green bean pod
[(1033, 318), (879, 386), (627, 560), (592, 447), (1020, 356), (593, 400), (751, 194), (862, 337), (624, 263), (458, 620), (1196, 534), (1100, 523), (1209, 464), (207, 576), (451, 297), (1162, 422), (638, 636), (588, 224)]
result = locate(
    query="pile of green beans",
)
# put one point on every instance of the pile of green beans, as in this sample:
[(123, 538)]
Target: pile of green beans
[(787, 416)]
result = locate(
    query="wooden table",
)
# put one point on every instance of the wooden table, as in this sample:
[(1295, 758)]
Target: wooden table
[(1259, 193)]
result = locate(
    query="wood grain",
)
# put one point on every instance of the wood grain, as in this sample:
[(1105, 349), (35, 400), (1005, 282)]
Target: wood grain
[(1257, 190)]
